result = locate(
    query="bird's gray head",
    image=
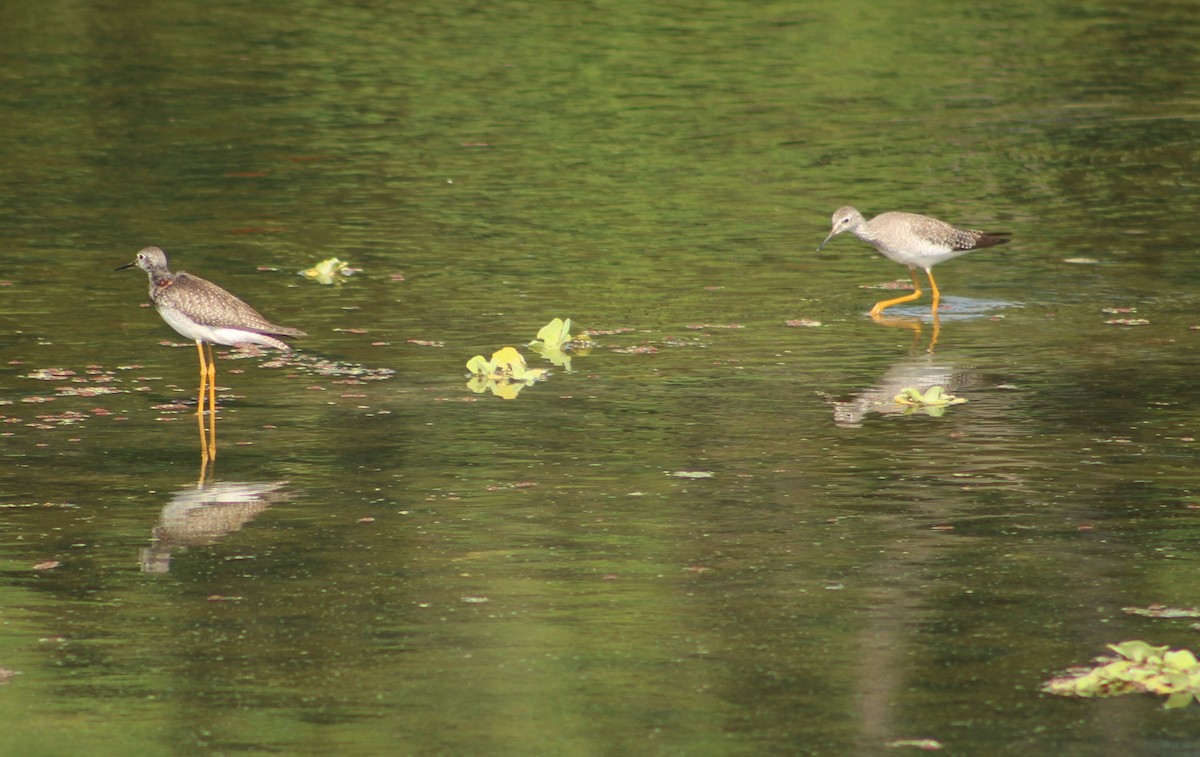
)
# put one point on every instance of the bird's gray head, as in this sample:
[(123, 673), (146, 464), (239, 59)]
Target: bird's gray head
[(148, 258), (844, 219)]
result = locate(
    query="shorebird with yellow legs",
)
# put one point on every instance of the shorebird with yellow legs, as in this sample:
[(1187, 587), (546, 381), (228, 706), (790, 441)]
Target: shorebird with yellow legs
[(913, 240), (202, 311)]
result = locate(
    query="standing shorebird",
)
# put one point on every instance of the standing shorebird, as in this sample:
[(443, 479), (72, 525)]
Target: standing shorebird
[(201, 310), (914, 240)]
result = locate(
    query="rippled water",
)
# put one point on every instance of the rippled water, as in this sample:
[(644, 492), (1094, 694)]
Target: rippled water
[(716, 534)]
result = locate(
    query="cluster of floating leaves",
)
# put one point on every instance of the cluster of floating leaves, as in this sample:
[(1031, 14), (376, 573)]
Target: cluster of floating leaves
[(555, 343), (506, 373), (1123, 321), (95, 381), (329, 271), (606, 332), (582, 342), (641, 349), (1138, 668), (318, 366)]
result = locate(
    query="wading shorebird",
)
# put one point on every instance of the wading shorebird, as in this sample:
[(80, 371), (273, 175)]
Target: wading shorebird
[(200, 310), (914, 240)]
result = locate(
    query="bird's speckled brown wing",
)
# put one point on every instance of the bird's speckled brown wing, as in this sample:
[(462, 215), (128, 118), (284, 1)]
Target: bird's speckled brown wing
[(210, 305), (939, 232)]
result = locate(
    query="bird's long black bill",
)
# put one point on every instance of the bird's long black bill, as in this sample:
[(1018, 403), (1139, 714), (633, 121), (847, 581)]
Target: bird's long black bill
[(127, 265)]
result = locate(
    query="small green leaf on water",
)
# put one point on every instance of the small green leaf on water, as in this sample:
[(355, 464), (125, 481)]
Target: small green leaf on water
[(479, 366), (555, 343), (554, 334)]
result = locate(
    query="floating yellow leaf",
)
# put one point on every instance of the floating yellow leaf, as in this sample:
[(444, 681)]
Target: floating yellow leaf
[(508, 363), (327, 270), (504, 374)]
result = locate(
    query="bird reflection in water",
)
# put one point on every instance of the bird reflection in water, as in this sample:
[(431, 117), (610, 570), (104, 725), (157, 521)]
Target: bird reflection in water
[(199, 516), (920, 372)]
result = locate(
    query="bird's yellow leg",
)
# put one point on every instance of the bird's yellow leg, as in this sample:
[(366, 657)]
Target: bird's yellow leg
[(207, 448), (212, 382), (203, 377), (212, 404), (882, 305), (937, 296)]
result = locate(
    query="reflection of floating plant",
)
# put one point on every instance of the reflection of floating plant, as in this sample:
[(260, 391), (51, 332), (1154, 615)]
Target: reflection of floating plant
[(934, 396), (554, 341), (327, 270), (505, 374), (1139, 668), (933, 402)]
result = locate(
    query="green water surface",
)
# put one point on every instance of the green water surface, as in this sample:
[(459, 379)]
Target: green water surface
[(716, 534)]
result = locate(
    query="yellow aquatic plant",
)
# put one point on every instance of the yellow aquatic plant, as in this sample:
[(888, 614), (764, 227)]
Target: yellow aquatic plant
[(1139, 667), (554, 342), (327, 270), (505, 374)]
